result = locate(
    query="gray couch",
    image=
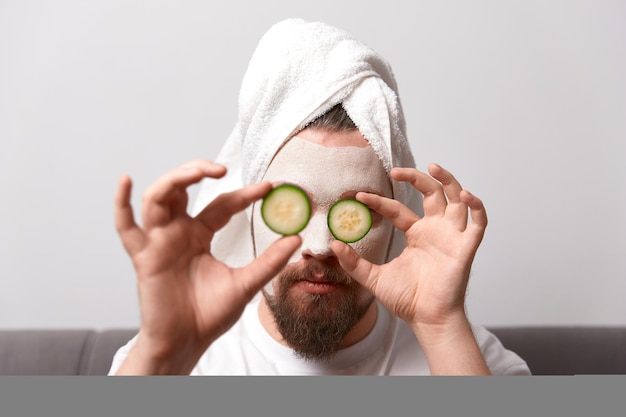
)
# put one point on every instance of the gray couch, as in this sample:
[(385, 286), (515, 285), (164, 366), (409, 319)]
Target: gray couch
[(547, 350)]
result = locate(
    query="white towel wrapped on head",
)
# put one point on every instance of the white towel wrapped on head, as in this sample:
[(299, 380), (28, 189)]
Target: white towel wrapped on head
[(299, 71)]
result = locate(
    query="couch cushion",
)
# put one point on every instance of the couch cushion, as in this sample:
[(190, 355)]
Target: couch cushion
[(44, 352), (547, 350), (562, 350)]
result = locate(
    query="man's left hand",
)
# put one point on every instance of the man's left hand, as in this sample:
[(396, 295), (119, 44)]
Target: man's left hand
[(426, 284)]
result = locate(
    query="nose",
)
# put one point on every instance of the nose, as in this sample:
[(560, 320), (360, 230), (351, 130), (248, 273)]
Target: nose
[(316, 238)]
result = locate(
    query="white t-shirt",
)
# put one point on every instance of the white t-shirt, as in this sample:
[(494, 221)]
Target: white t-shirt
[(389, 349)]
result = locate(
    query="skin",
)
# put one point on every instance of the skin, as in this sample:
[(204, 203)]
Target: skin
[(440, 249), (188, 298), (318, 156)]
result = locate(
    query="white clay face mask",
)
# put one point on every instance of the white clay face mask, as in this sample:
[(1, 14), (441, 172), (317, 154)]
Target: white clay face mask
[(327, 175)]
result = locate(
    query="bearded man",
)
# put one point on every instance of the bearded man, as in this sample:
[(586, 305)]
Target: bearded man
[(222, 294)]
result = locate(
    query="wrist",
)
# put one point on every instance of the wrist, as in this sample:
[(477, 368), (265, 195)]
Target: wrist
[(451, 348), (443, 330)]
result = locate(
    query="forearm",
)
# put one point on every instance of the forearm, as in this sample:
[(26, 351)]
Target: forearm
[(452, 349)]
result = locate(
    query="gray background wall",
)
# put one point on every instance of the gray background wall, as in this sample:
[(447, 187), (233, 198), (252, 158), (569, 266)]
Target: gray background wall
[(524, 101)]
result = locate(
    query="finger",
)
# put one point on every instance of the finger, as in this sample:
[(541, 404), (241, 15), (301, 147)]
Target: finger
[(456, 209), (181, 178), (130, 233), (451, 186), (434, 199), (205, 164), (363, 271), (267, 265), (400, 215), (219, 211), (478, 213), (168, 195)]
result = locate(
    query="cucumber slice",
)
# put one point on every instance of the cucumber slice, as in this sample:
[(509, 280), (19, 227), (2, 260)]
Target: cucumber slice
[(349, 220), (286, 209)]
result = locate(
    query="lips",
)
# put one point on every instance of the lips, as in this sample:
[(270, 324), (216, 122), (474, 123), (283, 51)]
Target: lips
[(319, 285), (317, 278)]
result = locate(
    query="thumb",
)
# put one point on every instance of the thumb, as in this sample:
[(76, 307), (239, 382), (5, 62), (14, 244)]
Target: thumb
[(363, 271), (267, 265)]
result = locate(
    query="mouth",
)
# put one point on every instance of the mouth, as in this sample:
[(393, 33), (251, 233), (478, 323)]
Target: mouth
[(318, 279), (319, 284), (319, 287)]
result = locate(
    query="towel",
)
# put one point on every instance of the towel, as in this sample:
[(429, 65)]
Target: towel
[(299, 71)]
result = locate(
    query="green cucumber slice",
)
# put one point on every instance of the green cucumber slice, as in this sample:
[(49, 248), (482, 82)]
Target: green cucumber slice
[(349, 220), (286, 209)]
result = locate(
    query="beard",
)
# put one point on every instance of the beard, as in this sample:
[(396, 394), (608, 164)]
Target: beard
[(314, 325)]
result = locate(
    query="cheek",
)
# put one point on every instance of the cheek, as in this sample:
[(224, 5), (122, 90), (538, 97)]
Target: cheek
[(375, 244)]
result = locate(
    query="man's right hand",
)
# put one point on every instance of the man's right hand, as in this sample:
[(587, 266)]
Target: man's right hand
[(187, 297)]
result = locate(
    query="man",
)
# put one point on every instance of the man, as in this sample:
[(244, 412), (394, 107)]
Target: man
[(320, 110)]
